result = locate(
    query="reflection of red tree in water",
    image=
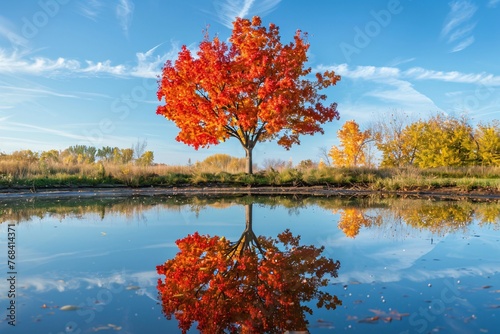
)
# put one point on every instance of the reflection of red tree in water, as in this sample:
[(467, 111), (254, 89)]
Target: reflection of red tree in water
[(254, 285)]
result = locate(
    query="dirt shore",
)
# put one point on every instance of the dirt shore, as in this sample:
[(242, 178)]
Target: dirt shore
[(440, 193)]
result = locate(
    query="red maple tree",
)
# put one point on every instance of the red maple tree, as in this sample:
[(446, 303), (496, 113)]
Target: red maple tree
[(254, 285), (253, 89)]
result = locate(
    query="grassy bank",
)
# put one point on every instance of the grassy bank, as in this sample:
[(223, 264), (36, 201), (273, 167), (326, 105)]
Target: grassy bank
[(38, 176)]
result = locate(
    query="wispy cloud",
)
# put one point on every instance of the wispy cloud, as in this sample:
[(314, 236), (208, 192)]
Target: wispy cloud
[(8, 143), (463, 44), (362, 72), (402, 92), (486, 79), (36, 91), (374, 73), (27, 94), (102, 67), (493, 3), (148, 64), (124, 13), (123, 10), (16, 63), (228, 10), (56, 136), (392, 86), (7, 31), (457, 28), (399, 61), (395, 87), (29, 127), (90, 9)]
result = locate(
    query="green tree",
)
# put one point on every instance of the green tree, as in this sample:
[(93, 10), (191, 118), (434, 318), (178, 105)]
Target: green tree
[(122, 156), (117, 155), (127, 155), (105, 153), (80, 154), (146, 159)]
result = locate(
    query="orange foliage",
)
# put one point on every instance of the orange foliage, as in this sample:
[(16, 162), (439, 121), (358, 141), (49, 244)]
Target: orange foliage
[(253, 89), (254, 286)]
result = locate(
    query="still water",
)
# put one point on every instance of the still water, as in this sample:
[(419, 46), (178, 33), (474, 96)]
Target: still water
[(384, 265)]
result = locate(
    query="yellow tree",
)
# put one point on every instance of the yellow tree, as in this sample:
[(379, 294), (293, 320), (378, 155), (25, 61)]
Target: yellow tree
[(222, 162), (352, 149), (488, 143), (51, 156), (444, 141), (394, 140)]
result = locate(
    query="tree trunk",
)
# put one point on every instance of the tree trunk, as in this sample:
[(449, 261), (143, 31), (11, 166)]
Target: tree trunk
[(248, 167), (248, 217)]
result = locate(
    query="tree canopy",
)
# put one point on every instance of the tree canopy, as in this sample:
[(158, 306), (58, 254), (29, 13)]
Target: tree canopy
[(254, 88), (352, 150)]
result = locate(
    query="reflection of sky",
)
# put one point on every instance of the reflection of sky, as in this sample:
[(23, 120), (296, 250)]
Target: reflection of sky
[(419, 256), (63, 282), (68, 261)]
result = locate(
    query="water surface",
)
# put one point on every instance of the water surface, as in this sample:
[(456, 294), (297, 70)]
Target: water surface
[(415, 266)]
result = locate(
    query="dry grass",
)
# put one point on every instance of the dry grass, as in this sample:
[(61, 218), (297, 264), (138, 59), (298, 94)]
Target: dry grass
[(46, 174)]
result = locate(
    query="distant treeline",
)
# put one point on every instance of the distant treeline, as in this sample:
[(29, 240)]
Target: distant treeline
[(82, 154)]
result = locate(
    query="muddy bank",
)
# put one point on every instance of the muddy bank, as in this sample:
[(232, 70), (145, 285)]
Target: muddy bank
[(440, 193)]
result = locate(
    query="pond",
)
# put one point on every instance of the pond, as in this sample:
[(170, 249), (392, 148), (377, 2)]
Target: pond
[(387, 265)]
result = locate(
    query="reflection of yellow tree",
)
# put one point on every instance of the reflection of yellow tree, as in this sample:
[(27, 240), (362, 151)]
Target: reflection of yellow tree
[(253, 285), (439, 218), (352, 219), (488, 214)]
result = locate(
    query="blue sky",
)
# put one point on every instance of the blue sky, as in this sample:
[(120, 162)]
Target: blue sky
[(84, 72)]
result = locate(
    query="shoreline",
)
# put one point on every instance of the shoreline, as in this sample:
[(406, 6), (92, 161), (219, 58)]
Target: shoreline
[(320, 191)]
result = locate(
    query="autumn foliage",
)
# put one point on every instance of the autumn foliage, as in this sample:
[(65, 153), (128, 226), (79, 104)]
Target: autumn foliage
[(440, 141), (436, 217), (253, 88), (352, 219), (352, 150), (256, 285)]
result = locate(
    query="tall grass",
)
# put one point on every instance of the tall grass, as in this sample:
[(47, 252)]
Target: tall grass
[(39, 174), (16, 173)]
